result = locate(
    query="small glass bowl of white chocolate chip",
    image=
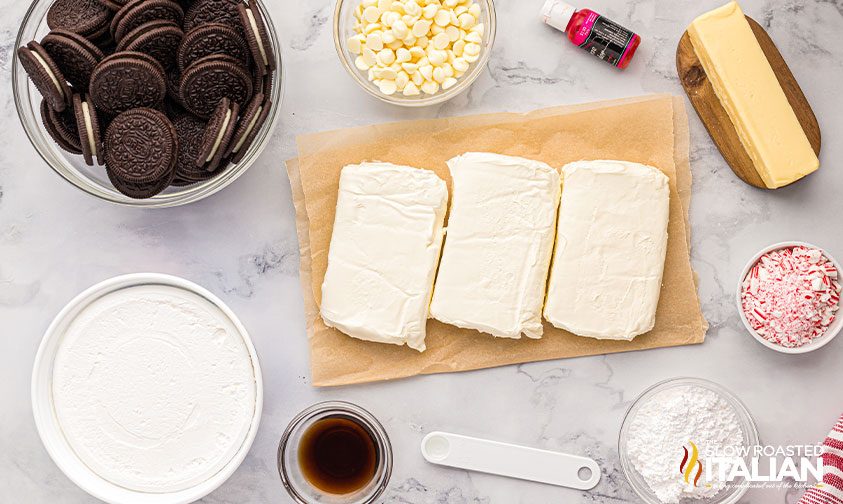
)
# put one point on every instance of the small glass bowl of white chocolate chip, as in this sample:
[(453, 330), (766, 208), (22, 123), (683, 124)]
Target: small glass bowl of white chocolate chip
[(414, 52)]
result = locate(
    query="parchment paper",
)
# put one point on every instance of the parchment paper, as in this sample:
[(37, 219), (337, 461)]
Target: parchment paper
[(651, 130)]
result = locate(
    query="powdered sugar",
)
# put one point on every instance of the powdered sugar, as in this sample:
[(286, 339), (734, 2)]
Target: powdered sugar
[(666, 425), (791, 296)]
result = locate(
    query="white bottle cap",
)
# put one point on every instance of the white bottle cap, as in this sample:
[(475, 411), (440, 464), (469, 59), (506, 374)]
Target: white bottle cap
[(557, 14)]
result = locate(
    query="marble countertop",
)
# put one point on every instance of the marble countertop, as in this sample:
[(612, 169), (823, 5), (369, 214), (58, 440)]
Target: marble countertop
[(241, 244)]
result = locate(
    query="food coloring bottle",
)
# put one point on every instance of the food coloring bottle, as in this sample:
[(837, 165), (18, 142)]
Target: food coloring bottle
[(598, 35)]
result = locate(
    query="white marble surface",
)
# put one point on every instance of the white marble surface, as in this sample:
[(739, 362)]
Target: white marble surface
[(241, 244)]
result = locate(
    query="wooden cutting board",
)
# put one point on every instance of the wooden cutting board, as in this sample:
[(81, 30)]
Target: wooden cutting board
[(714, 116)]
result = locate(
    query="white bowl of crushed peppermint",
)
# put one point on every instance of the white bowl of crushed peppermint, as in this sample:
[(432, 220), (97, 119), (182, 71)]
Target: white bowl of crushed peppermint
[(789, 296)]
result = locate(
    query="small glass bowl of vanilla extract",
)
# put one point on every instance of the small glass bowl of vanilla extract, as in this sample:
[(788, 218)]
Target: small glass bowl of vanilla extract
[(335, 453)]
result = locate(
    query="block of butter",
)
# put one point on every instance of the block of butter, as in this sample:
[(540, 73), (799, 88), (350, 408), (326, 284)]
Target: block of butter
[(611, 242), (748, 89), (497, 251), (385, 246)]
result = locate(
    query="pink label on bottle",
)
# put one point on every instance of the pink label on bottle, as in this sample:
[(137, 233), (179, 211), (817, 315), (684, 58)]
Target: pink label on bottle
[(603, 38)]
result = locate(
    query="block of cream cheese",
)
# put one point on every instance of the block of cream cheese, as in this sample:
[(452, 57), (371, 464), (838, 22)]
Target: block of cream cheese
[(497, 252), (748, 89), (385, 245), (610, 249)]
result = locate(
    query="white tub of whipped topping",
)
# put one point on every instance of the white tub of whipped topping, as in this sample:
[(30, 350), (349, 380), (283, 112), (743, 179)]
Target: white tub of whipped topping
[(147, 389)]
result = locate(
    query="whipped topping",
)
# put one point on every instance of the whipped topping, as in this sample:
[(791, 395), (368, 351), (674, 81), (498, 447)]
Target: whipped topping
[(500, 239), (154, 388), (385, 245), (610, 249)]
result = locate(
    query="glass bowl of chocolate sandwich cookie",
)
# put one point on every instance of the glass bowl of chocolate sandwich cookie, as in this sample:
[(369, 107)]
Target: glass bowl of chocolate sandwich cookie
[(148, 103)]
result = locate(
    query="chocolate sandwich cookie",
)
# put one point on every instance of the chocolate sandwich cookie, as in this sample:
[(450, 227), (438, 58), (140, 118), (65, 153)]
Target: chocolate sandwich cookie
[(173, 83), (212, 11), (159, 39), (191, 131), (141, 147), (172, 109), (126, 80), (209, 39), (88, 126), (139, 190), (113, 5), (62, 128), (212, 78), (88, 18), (218, 135), (138, 12), (251, 120), (45, 74), (178, 182), (262, 84), (257, 36), (75, 55)]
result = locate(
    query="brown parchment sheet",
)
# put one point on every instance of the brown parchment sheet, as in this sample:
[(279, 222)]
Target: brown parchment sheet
[(651, 130)]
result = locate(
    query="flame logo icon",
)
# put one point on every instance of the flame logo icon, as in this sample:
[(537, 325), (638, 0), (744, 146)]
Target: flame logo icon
[(691, 464)]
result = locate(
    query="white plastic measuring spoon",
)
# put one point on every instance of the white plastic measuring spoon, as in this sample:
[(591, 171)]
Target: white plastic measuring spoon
[(521, 462)]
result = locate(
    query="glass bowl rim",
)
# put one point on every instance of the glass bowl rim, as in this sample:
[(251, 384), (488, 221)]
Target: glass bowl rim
[(743, 413), (198, 191), (327, 407), (463, 84)]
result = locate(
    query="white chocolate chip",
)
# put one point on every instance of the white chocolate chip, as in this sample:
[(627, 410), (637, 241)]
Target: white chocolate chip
[(453, 33), (374, 41), (430, 87), (371, 14), (410, 90), (429, 11), (388, 87), (369, 57), (399, 28), (386, 57), (402, 55), (473, 37), (438, 57), (426, 72), (441, 41), (442, 18), (355, 45), (472, 49), (421, 27), (466, 21)]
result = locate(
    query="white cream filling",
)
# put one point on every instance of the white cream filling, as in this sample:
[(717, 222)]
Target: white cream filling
[(249, 129), (220, 134), (89, 129), (44, 64), (257, 33)]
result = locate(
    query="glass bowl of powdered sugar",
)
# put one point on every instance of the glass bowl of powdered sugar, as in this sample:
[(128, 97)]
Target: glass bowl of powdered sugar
[(681, 441)]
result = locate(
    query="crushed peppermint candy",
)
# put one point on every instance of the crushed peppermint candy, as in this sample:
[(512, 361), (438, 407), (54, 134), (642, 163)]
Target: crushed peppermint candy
[(791, 296)]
